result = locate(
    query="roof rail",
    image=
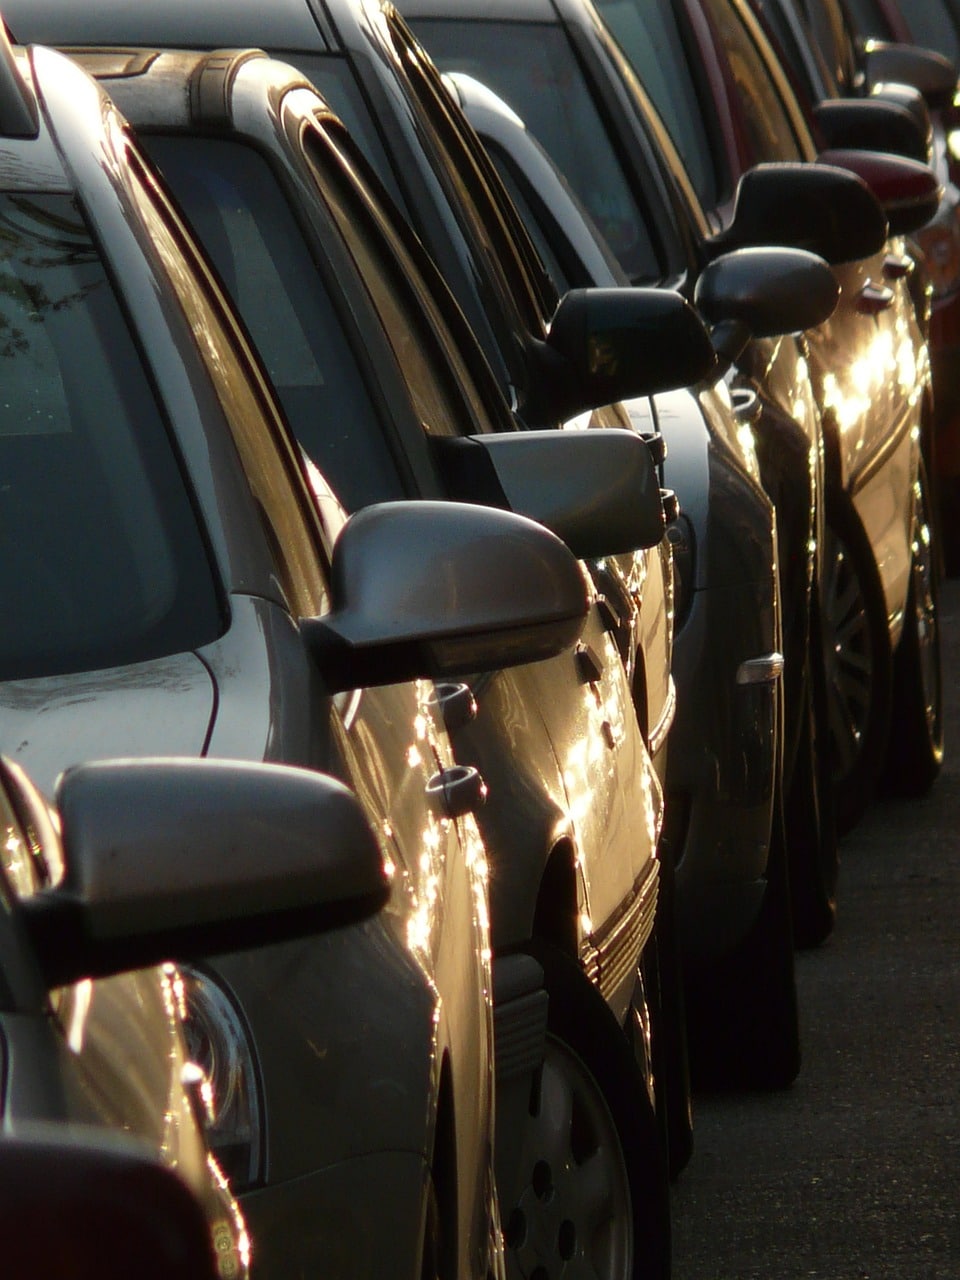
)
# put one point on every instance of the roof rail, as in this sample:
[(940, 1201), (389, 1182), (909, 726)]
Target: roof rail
[(19, 113)]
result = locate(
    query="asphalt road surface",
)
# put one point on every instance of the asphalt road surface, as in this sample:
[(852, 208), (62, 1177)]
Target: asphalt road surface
[(854, 1173)]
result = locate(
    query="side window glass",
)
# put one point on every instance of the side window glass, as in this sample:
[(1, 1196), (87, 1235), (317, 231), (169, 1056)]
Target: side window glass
[(441, 387), (765, 118), (244, 222), (273, 467), (652, 43)]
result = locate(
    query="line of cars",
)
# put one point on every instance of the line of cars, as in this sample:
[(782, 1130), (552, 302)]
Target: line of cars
[(286, 366)]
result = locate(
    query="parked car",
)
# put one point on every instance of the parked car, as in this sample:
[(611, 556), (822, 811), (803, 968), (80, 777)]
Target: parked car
[(727, 617), (190, 599), (869, 368), (137, 863), (570, 783), (840, 116), (855, 645)]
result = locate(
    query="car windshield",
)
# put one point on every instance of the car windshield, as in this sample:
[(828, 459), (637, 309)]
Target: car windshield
[(242, 218), (532, 67), (101, 562)]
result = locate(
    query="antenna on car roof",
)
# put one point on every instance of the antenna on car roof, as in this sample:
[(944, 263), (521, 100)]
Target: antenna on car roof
[(19, 115)]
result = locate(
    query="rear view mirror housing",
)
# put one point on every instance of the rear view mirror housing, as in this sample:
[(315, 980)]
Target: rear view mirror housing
[(934, 75), (908, 193), (883, 122), (86, 1202), (826, 211), (598, 490), (433, 589), (614, 344), (166, 858), (767, 292)]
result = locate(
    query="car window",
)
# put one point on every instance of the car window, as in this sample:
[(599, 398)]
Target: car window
[(651, 40), (532, 67), (934, 26), (442, 389), (101, 560), (764, 116), (235, 204), (272, 463)]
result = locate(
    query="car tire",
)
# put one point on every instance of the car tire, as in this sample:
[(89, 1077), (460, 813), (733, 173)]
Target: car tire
[(594, 1197), (859, 663), (742, 1013), (663, 980), (813, 849), (915, 751)]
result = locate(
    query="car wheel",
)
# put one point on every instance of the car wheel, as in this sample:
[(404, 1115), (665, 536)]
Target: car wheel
[(859, 674), (811, 825), (742, 1013), (663, 980), (593, 1197), (915, 751)]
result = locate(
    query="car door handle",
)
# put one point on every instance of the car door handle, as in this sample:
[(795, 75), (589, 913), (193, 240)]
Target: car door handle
[(457, 791), (589, 664), (874, 298), (897, 267), (457, 705)]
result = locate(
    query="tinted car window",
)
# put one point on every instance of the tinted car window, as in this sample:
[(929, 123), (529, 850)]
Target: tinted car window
[(532, 67), (102, 562), (441, 388), (764, 117), (241, 216), (648, 35), (934, 26)]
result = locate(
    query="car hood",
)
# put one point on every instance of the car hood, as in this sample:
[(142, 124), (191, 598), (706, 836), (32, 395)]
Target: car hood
[(163, 707)]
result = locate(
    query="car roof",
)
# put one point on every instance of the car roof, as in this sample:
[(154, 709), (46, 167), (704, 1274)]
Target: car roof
[(293, 24)]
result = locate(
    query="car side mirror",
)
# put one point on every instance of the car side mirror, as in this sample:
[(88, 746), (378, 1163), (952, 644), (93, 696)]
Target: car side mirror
[(598, 490), (879, 123), (827, 211), (924, 69), (764, 293), (167, 858), (86, 1202), (432, 589), (908, 193), (614, 344)]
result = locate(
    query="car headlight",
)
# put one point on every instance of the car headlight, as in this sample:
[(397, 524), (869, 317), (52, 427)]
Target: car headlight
[(218, 1042)]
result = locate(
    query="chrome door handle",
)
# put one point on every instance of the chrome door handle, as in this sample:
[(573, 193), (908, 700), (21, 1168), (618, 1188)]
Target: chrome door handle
[(457, 791), (896, 267), (874, 298)]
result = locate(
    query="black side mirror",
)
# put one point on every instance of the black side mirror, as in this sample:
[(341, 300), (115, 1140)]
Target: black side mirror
[(614, 344), (878, 123), (925, 69), (827, 211), (86, 1203), (766, 292)]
